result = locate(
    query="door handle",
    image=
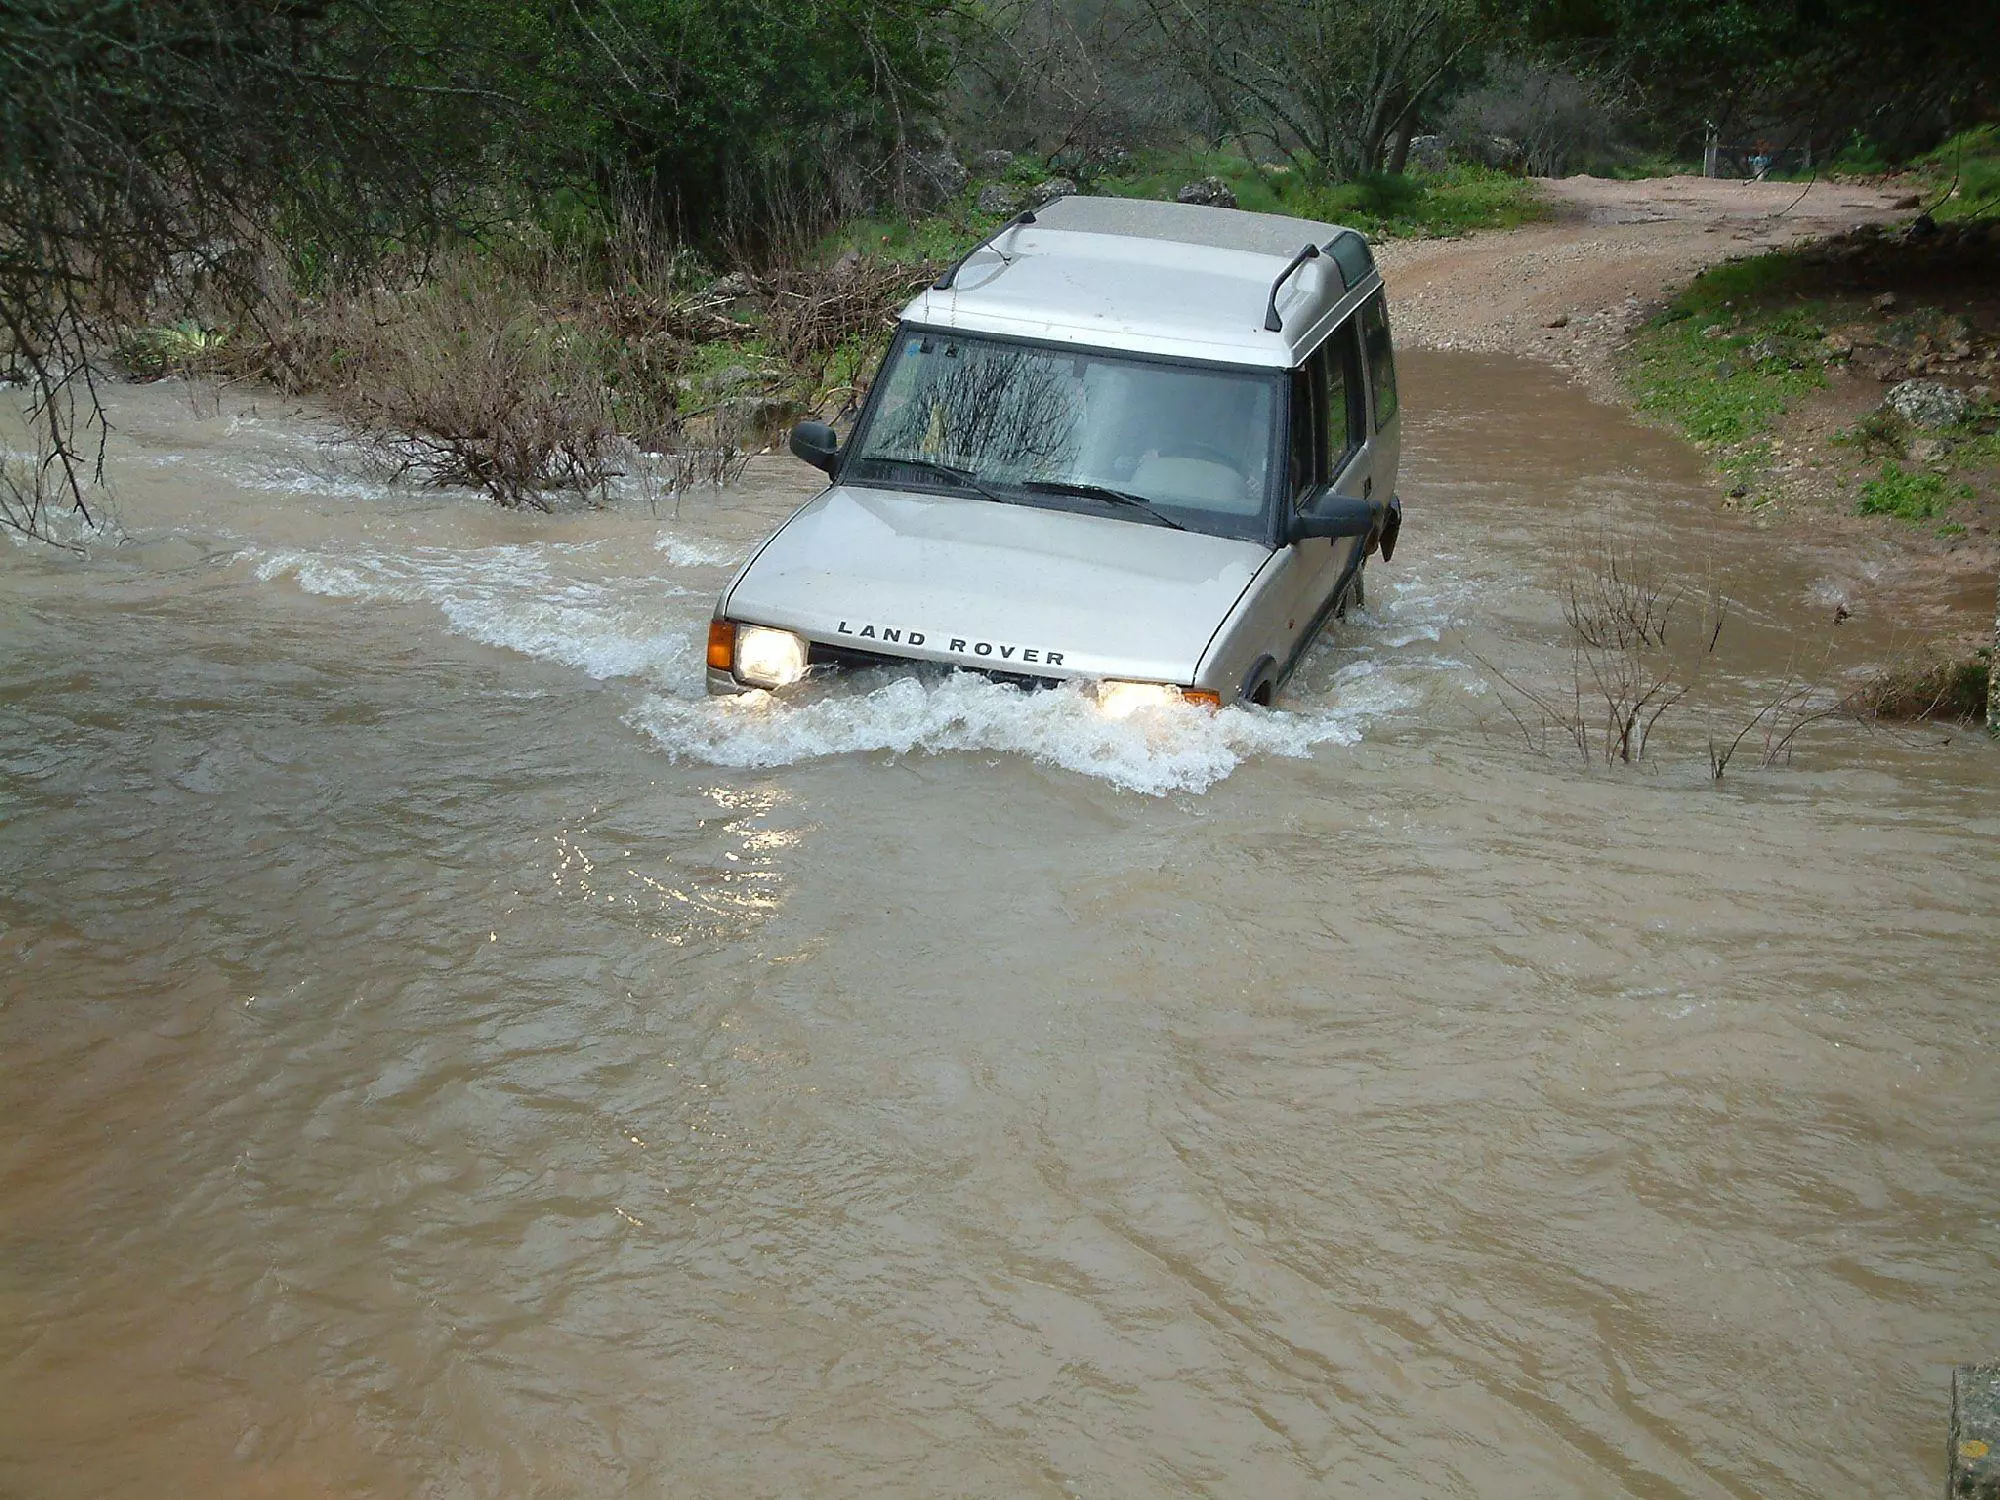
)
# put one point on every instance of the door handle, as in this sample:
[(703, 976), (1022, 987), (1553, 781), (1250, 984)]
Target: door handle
[(1368, 487)]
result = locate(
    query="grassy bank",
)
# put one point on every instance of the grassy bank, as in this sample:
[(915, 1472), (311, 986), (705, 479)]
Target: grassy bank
[(1781, 366), (1855, 376)]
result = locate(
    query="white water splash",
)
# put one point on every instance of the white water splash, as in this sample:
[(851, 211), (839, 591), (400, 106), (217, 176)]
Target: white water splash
[(1154, 751), (509, 597), (560, 602), (697, 552)]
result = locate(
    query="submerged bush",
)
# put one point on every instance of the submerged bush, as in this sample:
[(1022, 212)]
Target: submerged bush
[(1926, 687), (521, 374)]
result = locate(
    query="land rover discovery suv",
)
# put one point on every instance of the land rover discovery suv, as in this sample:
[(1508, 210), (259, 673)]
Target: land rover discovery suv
[(1150, 446)]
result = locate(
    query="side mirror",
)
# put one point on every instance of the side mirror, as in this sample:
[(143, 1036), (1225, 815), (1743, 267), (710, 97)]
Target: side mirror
[(815, 443), (1334, 516)]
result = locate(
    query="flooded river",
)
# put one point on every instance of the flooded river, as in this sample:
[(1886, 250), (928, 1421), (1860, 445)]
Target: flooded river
[(442, 1053)]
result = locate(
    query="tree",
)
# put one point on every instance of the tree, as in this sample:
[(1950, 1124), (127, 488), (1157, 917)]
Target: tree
[(1331, 85)]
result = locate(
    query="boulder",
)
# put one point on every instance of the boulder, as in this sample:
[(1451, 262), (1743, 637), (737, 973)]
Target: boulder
[(998, 198), (735, 284), (934, 176), (1428, 154), (1050, 189), (993, 163), (1928, 403), (1209, 192)]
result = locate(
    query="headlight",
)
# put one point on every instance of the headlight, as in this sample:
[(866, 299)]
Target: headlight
[(1120, 700), (769, 658)]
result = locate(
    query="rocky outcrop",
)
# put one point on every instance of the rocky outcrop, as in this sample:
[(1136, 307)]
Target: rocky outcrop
[(1929, 403), (999, 198), (1048, 190), (1209, 192), (1428, 154)]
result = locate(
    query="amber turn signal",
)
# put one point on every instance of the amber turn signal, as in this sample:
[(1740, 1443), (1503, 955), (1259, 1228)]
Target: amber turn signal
[(1201, 697), (722, 644)]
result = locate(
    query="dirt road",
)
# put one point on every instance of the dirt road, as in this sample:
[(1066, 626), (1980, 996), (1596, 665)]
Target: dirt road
[(1568, 290)]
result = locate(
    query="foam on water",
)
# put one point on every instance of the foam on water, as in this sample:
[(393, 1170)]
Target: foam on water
[(564, 602), (697, 552), (509, 597), (1154, 751)]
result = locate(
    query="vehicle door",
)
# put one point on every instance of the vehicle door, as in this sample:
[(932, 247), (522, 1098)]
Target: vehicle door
[(1340, 463), (1386, 429)]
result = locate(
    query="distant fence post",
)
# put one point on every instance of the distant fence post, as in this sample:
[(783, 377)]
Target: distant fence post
[(1711, 152), (1973, 1450)]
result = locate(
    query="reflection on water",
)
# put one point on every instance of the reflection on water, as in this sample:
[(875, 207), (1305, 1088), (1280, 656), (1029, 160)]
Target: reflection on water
[(446, 1053)]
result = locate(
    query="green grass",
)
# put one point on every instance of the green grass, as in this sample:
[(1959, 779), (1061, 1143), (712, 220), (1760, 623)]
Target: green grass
[(1458, 200), (1972, 159), (1907, 495), (1258, 189), (1729, 355)]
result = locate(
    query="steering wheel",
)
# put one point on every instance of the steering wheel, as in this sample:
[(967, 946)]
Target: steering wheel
[(1206, 452)]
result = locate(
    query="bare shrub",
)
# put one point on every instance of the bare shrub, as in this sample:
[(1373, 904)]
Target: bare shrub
[(523, 374), (1559, 120), (813, 309), (1801, 699), (1630, 661), (27, 488)]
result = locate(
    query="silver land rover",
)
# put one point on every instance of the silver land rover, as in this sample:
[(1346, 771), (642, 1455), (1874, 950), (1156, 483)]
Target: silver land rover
[(1149, 446)]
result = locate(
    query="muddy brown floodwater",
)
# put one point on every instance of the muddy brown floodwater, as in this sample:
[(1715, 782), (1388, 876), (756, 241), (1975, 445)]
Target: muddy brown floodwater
[(446, 1055)]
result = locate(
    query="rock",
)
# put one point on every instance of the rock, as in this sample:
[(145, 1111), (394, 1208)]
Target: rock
[(998, 198), (760, 418), (1836, 346), (1050, 189), (1210, 192), (1927, 403), (1428, 154), (993, 163), (1560, 320), (1500, 151), (934, 176), (732, 376), (1913, 201), (1884, 303), (1762, 350), (1724, 370), (1973, 1444), (734, 285)]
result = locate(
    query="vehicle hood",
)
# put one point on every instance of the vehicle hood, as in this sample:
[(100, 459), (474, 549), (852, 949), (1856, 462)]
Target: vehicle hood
[(983, 583)]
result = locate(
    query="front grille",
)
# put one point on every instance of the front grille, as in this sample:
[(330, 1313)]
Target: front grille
[(820, 654)]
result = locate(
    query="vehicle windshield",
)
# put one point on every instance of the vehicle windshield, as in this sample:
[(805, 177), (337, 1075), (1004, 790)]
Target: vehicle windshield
[(1194, 445)]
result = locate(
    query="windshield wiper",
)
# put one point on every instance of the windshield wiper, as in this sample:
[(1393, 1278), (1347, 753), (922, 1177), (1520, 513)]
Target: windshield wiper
[(1101, 492), (932, 466)]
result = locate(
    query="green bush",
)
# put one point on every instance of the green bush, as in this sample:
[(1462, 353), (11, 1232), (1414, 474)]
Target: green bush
[(1907, 495)]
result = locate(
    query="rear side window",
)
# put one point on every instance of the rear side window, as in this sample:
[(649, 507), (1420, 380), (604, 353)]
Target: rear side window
[(1381, 357), (1345, 412)]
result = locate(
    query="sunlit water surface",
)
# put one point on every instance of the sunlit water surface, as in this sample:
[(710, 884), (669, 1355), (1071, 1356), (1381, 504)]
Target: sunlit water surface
[(442, 1052)]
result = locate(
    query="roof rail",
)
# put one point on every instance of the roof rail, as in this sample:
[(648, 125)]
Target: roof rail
[(1272, 322), (943, 283)]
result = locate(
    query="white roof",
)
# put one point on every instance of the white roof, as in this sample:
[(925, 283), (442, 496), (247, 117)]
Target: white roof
[(1157, 278)]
